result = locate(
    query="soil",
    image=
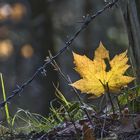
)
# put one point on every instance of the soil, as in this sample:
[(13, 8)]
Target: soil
[(104, 129)]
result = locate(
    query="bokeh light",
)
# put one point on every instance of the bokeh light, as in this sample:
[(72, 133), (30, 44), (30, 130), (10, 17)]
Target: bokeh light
[(6, 49), (27, 51), (18, 11), (5, 11), (14, 12)]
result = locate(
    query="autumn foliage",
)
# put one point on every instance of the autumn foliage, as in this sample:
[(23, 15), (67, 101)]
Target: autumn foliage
[(95, 75)]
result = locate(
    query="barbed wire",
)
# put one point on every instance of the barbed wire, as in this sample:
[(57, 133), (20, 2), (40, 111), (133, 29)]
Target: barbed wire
[(42, 69)]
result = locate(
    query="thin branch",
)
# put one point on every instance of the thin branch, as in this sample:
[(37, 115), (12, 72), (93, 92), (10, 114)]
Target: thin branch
[(110, 99), (68, 80)]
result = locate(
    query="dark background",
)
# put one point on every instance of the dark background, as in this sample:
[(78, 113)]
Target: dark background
[(29, 28)]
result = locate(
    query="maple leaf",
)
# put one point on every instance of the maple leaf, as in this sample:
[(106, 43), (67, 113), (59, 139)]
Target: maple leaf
[(96, 77)]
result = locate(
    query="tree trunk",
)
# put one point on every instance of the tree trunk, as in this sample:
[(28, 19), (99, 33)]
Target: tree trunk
[(138, 8), (130, 12)]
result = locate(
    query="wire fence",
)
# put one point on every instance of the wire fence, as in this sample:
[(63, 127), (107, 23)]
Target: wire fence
[(42, 69)]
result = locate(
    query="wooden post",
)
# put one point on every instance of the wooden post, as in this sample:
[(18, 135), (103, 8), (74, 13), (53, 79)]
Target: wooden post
[(131, 17)]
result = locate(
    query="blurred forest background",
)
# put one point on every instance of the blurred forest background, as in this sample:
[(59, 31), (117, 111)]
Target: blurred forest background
[(29, 28)]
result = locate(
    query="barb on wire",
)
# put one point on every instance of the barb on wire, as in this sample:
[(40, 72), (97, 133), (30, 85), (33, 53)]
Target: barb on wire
[(41, 69)]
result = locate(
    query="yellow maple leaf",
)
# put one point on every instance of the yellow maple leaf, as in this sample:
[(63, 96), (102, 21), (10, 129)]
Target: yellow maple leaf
[(96, 77)]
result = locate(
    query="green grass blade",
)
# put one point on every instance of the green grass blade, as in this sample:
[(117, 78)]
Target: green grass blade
[(4, 98)]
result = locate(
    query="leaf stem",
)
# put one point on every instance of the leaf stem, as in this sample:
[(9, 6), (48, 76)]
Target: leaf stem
[(109, 96)]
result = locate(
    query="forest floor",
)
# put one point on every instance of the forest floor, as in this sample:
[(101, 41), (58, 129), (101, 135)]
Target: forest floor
[(113, 127)]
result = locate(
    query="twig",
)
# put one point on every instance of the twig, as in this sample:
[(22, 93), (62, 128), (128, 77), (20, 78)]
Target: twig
[(41, 69), (109, 96), (68, 80), (102, 132), (107, 92), (70, 117)]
